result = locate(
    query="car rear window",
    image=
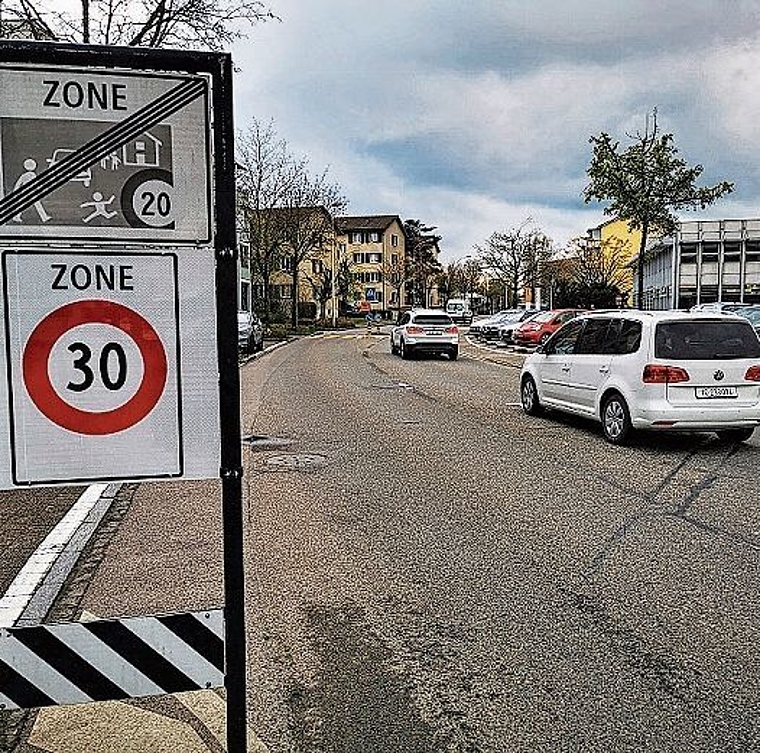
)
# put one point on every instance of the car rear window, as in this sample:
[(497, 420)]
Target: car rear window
[(706, 340), (432, 319)]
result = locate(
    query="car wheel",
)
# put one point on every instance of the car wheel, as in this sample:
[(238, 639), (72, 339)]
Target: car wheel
[(454, 353), (394, 349), (403, 350), (616, 420), (735, 435), (529, 397)]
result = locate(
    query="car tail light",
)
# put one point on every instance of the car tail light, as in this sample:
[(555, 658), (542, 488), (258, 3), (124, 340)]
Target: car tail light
[(412, 330), (655, 373), (452, 330), (753, 374)]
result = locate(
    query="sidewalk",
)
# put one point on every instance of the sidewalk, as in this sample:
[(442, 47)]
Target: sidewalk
[(132, 566)]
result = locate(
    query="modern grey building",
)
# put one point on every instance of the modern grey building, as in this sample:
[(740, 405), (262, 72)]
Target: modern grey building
[(706, 261)]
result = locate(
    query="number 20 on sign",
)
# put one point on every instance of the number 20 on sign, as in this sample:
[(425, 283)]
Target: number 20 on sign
[(94, 366)]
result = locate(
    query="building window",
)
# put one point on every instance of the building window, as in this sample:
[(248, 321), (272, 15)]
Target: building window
[(394, 240), (245, 295), (375, 258), (374, 237), (286, 263), (316, 266), (244, 253)]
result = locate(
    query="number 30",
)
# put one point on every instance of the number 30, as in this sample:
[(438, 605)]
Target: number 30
[(82, 364)]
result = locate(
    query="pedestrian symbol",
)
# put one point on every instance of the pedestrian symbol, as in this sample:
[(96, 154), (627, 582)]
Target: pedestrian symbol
[(30, 166)]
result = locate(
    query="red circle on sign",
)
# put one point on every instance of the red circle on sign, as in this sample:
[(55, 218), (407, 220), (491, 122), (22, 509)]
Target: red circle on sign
[(53, 406)]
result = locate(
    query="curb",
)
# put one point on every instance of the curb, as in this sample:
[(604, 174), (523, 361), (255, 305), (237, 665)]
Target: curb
[(37, 585)]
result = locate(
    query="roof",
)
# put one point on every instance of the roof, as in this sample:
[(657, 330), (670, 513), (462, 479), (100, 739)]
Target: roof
[(366, 222), (659, 315)]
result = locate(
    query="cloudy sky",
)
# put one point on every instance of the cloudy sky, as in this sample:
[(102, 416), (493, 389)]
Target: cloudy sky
[(473, 116)]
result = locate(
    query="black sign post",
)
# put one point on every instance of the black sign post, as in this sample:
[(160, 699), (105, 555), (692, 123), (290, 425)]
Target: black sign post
[(216, 67)]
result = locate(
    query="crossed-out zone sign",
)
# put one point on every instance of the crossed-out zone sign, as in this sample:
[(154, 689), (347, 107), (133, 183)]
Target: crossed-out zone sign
[(111, 156)]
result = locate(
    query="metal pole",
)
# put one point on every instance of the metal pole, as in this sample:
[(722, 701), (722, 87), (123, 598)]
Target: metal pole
[(333, 292), (225, 248)]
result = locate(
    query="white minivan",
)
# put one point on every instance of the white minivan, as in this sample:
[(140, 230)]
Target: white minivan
[(658, 370), (459, 310)]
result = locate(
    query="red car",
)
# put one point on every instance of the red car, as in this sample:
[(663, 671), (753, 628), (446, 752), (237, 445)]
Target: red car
[(541, 327)]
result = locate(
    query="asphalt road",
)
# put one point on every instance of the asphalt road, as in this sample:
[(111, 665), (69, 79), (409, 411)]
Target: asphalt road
[(428, 569), (432, 570)]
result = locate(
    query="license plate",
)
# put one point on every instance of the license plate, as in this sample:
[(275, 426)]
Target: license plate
[(713, 392), (433, 331)]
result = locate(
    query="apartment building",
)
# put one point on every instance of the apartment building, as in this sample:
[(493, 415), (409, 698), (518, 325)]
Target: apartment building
[(705, 261), (374, 247)]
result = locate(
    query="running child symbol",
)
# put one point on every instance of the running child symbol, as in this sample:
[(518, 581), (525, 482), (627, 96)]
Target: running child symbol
[(99, 207)]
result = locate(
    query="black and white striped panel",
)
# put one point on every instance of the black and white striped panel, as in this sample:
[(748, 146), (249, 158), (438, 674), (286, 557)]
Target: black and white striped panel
[(47, 665)]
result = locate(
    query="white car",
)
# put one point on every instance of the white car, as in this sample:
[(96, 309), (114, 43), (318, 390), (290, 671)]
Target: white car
[(425, 331), (658, 370)]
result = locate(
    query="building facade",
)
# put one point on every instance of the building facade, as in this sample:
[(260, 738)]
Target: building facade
[(375, 251), (705, 261)]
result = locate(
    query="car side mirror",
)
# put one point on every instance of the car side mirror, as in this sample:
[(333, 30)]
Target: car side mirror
[(540, 349)]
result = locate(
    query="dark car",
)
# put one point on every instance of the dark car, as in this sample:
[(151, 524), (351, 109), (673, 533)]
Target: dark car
[(250, 332)]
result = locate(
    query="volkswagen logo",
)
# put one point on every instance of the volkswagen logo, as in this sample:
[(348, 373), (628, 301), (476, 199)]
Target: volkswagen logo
[(718, 375)]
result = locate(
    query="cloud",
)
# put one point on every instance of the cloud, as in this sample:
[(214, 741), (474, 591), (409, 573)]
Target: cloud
[(466, 115)]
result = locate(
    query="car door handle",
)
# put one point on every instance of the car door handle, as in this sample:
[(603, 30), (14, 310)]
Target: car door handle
[(566, 367), (604, 369)]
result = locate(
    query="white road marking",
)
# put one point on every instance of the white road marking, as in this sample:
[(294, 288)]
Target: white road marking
[(20, 592)]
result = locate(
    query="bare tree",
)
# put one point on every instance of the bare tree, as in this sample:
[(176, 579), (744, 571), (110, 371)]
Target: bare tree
[(597, 272), (306, 217), (320, 281), (185, 24), (286, 213), (397, 272), (450, 280), (471, 277), (515, 258), (264, 178)]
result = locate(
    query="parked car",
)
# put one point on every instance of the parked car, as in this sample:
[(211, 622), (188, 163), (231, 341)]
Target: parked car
[(541, 327), (250, 332), (490, 330), (506, 329), (716, 307), (752, 313), (477, 327), (657, 370), (425, 331)]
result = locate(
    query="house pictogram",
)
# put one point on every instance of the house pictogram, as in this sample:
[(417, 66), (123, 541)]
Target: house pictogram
[(143, 151)]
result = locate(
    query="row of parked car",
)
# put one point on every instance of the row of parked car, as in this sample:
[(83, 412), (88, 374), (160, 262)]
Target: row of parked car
[(521, 326), (527, 327)]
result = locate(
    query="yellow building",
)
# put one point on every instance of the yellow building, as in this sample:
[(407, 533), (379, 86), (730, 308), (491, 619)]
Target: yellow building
[(375, 249), (618, 230)]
